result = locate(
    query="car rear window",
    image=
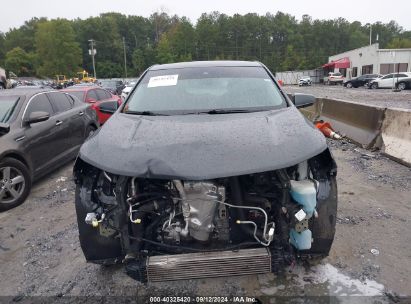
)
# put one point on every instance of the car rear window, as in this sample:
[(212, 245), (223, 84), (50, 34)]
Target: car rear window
[(92, 95), (103, 94), (177, 91), (7, 106)]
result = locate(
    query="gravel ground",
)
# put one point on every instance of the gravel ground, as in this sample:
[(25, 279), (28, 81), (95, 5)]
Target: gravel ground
[(40, 253), (381, 97)]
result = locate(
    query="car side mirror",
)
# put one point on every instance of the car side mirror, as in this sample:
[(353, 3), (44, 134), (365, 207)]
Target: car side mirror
[(302, 100), (109, 107), (37, 116)]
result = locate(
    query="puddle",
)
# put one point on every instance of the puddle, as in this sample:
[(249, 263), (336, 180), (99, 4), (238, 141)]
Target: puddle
[(323, 281)]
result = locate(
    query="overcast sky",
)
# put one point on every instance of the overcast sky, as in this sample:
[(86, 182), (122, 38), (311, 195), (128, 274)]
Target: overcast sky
[(13, 13)]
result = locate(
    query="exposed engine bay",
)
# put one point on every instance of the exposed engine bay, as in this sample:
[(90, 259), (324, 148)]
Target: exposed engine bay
[(263, 220)]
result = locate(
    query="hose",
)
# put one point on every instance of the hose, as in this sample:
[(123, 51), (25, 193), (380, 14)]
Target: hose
[(237, 196)]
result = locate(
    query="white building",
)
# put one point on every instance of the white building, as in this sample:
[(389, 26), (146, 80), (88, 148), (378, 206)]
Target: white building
[(370, 60)]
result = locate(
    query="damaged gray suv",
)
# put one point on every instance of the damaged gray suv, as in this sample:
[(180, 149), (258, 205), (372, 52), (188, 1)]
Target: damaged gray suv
[(208, 169)]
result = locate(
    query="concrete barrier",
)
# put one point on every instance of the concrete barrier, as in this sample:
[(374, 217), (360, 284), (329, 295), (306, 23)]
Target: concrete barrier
[(361, 123), (312, 112), (396, 135), (368, 126)]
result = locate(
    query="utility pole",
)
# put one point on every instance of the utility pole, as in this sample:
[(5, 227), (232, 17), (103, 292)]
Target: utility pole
[(125, 57), (92, 52), (370, 34)]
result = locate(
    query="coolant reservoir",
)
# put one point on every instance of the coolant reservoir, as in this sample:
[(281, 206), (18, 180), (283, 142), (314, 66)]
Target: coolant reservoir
[(305, 194), (301, 240)]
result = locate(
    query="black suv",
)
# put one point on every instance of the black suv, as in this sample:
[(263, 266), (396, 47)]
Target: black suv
[(206, 166), (360, 81)]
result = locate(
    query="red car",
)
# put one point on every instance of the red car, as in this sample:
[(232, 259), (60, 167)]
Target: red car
[(102, 101)]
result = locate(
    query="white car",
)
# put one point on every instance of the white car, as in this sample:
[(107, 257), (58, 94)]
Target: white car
[(127, 90), (304, 81), (389, 80), (334, 78)]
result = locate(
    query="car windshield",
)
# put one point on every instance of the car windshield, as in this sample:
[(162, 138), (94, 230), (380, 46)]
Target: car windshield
[(7, 106), (78, 94), (205, 89)]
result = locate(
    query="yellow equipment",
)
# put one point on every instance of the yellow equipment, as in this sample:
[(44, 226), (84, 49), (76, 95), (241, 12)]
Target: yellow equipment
[(83, 77), (61, 80)]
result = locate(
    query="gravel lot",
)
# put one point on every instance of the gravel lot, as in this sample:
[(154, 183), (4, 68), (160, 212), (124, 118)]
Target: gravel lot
[(40, 253), (381, 97)]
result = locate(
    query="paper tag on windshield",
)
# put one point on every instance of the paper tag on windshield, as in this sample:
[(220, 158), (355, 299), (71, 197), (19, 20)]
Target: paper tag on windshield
[(162, 81)]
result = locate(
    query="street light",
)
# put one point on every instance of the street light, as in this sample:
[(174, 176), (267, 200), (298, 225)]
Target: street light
[(93, 52)]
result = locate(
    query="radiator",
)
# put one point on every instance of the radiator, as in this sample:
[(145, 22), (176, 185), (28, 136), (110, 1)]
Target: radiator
[(208, 264)]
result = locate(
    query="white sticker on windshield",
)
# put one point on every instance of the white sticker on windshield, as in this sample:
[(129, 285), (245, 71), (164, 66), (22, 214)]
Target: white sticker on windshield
[(162, 81)]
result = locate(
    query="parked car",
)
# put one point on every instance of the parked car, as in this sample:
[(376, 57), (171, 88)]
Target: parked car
[(127, 90), (304, 81), (361, 81), (102, 101), (40, 130), (334, 78), (389, 80), (404, 84), (206, 166), (113, 86), (3, 79)]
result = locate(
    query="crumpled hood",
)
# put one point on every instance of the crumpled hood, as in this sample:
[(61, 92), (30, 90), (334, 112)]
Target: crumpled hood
[(197, 147)]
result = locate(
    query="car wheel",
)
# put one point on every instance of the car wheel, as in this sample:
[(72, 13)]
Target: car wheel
[(401, 86), (349, 85), (90, 131), (374, 86), (15, 183)]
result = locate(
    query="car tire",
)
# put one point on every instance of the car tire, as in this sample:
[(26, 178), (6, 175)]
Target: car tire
[(374, 86), (349, 85), (401, 86), (12, 169)]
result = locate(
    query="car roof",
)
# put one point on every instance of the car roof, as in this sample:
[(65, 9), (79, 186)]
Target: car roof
[(26, 91), (395, 73), (202, 64), (80, 89)]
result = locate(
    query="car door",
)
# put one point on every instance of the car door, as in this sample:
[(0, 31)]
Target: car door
[(359, 81), (386, 81), (69, 120), (80, 121), (368, 78), (41, 138)]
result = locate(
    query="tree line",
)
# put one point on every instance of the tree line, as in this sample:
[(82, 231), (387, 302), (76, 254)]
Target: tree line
[(45, 48)]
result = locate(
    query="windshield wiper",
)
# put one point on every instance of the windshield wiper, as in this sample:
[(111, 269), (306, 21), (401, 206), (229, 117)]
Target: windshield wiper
[(146, 113), (229, 111)]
